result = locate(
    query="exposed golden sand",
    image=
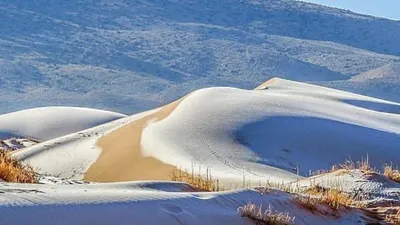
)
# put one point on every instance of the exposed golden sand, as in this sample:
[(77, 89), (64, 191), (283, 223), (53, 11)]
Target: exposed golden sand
[(121, 158)]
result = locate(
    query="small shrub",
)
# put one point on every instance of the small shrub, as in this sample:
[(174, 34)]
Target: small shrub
[(11, 170), (268, 217), (391, 173)]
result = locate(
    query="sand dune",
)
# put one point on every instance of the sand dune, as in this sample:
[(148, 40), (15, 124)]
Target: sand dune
[(121, 158), (276, 133), (256, 135)]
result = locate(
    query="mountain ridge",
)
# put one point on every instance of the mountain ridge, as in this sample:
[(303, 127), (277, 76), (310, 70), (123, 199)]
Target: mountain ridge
[(132, 56)]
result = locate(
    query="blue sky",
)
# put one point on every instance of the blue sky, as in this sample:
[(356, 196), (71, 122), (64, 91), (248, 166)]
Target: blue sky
[(381, 8)]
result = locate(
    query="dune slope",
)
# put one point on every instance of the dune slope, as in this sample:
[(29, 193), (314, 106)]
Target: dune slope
[(51, 122)]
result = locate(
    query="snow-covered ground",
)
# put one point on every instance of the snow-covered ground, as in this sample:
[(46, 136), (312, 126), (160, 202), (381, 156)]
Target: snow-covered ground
[(50, 122), (151, 203)]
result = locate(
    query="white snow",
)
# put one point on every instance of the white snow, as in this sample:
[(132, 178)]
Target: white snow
[(51, 122), (268, 134)]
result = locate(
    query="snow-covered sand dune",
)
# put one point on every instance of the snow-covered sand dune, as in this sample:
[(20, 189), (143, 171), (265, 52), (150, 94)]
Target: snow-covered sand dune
[(137, 203), (278, 132), (271, 133), (51, 122), (275, 131)]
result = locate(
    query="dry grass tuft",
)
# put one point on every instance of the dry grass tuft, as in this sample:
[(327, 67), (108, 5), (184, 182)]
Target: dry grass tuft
[(11, 170), (393, 174), (198, 180), (307, 202), (363, 165), (343, 168), (333, 198), (268, 217)]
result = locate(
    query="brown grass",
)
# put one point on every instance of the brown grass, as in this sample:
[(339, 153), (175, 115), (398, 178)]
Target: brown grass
[(333, 198), (196, 179), (11, 170), (307, 202), (268, 217), (363, 165), (393, 174)]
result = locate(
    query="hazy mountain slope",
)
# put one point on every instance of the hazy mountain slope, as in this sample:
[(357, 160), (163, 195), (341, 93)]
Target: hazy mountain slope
[(388, 72), (134, 55)]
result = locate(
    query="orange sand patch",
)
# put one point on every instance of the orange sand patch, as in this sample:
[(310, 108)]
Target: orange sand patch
[(121, 158)]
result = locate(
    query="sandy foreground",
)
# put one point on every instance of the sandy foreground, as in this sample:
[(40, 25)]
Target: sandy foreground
[(121, 158)]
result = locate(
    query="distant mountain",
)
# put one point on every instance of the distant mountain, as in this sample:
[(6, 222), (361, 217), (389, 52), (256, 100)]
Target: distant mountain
[(129, 56)]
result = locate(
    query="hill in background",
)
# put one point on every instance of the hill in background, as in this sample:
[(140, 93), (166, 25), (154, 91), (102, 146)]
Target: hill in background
[(129, 56)]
